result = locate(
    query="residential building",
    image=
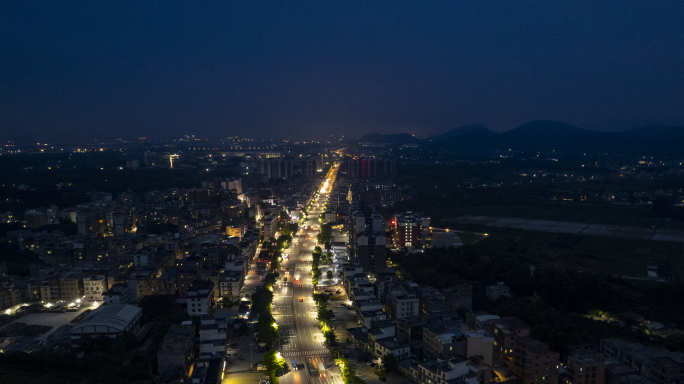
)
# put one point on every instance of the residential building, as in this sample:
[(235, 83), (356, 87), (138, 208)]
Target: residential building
[(91, 222), (141, 284), (480, 343), (401, 300), (400, 349), (94, 286), (585, 366), (407, 227), (505, 331), (534, 362), (200, 297), (270, 226), (70, 287), (458, 298), (275, 168), (176, 353), (9, 296), (498, 290), (440, 371), (117, 294), (656, 364), (212, 335), (443, 339)]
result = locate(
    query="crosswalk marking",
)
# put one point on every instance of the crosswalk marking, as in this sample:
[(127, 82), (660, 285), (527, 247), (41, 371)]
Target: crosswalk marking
[(306, 353)]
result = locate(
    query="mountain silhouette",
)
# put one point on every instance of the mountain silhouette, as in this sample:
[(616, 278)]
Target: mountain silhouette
[(547, 135)]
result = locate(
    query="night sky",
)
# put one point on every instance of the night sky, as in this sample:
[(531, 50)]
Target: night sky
[(90, 69)]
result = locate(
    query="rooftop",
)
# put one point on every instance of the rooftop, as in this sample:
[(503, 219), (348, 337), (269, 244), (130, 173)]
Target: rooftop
[(117, 316)]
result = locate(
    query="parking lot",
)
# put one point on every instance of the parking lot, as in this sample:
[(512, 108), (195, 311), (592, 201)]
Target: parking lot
[(54, 320)]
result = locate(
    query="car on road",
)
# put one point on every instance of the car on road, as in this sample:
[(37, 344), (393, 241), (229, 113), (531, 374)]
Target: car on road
[(301, 300), (341, 306), (382, 378), (294, 365), (234, 345)]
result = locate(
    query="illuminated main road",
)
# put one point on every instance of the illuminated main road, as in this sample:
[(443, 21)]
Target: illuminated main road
[(293, 307)]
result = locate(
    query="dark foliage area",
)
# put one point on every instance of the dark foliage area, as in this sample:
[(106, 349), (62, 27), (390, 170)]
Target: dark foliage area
[(563, 307)]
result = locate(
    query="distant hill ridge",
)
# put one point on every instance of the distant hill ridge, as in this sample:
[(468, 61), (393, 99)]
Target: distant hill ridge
[(547, 135), (398, 138)]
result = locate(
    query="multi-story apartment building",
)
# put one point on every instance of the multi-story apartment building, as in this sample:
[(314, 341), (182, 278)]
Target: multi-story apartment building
[(369, 168), (410, 329), (212, 335), (440, 371), (443, 340), (585, 366), (176, 352), (200, 297), (275, 168), (117, 294), (458, 297), (9, 297), (141, 284), (270, 226), (186, 276), (230, 283), (49, 290), (401, 300), (407, 227), (479, 343), (505, 331), (534, 362), (70, 288), (94, 286), (91, 222)]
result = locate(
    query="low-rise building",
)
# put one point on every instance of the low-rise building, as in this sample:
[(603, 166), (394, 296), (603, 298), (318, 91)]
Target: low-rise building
[(108, 321), (656, 364), (117, 294), (440, 371), (498, 290), (400, 349)]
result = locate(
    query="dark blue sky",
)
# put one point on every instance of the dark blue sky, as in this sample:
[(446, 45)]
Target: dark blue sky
[(258, 69)]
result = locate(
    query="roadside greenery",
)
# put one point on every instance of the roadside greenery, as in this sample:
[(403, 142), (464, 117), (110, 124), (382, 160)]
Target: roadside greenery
[(325, 235), (348, 371), (324, 317), (274, 363), (262, 301)]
